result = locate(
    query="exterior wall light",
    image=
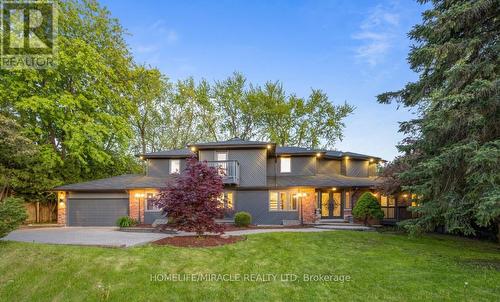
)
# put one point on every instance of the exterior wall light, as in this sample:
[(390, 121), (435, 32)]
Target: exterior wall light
[(334, 189), (371, 160), (318, 154), (347, 157), (269, 147), (193, 148)]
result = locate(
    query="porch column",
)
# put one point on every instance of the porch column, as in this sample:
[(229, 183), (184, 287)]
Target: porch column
[(61, 207), (136, 205), (308, 204)]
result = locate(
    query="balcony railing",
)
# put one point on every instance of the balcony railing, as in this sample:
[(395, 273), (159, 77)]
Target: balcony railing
[(228, 169)]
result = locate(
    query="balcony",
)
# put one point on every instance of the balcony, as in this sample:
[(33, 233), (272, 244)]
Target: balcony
[(228, 169)]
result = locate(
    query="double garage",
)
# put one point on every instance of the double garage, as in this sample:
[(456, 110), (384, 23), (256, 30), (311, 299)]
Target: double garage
[(96, 209)]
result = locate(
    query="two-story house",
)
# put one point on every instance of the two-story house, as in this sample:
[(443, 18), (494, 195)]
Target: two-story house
[(276, 185)]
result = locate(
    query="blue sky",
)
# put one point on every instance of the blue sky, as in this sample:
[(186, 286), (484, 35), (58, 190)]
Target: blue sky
[(352, 50)]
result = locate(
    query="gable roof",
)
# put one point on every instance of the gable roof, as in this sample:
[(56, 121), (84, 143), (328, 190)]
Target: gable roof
[(287, 150), (237, 142), (234, 142), (178, 153), (321, 181)]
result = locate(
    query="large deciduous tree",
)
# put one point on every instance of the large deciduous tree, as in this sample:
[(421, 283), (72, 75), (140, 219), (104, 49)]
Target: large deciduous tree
[(77, 112), (191, 201), (453, 147)]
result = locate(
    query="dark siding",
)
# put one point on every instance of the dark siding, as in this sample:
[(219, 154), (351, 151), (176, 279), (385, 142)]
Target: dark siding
[(207, 155), (150, 217), (357, 168), (257, 204), (372, 169), (271, 166), (161, 167), (329, 167), (253, 166), (96, 211), (301, 165)]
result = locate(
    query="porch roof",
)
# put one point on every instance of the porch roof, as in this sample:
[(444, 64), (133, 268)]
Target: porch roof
[(117, 183), (321, 181)]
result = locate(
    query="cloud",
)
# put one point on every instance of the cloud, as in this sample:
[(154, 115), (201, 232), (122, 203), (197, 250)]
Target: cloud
[(160, 30), (376, 35)]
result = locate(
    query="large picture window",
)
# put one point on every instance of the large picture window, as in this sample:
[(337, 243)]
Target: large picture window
[(283, 201), (285, 165)]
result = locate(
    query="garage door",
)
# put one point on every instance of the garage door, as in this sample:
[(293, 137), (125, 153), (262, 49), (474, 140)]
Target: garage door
[(96, 211)]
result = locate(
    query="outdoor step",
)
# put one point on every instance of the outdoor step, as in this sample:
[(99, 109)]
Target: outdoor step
[(348, 227), (338, 223), (332, 220)]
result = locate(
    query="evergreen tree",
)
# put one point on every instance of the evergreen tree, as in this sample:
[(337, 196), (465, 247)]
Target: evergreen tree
[(452, 148)]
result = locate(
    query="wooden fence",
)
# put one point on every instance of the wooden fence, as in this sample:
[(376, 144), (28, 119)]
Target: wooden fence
[(41, 212)]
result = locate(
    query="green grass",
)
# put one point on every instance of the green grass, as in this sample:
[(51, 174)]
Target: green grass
[(384, 267)]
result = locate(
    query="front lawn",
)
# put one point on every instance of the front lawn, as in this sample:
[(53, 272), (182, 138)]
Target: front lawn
[(383, 267)]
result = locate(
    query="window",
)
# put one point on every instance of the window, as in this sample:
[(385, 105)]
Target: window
[(347, 199), (175, 166), (226, 200), (388, 204), (222, 156), (283, 201), (285, 165), (150, 206)]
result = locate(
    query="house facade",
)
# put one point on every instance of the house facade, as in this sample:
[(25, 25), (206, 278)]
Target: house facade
[(276, 185)]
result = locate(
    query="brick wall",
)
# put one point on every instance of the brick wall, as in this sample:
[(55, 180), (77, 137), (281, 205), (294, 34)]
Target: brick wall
[(137, 203), (62, 201), (308, 206)]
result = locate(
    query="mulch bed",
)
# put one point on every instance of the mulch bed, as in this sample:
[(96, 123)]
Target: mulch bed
[(198, 241)]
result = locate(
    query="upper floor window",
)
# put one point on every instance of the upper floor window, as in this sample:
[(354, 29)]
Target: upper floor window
[(222, 156), (285, 165), (175, 166)]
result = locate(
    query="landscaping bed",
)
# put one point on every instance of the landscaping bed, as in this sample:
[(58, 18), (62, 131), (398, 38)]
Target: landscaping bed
[(199, 241)]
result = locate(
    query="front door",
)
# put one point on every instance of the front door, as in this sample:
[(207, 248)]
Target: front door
[(330, 204)]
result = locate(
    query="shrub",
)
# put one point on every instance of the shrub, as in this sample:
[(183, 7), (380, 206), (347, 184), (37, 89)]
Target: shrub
[(12, 214), (367, 207), (191, 200), (125, 222), (242, 219)]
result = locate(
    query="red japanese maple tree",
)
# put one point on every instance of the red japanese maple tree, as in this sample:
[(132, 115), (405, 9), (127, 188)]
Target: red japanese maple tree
[(191, 199)]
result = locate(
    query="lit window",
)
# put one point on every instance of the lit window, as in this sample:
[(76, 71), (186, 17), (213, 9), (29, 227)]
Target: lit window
[(283, 201), (226, 200), (383, 201), (273, 201), (150, 206), (348, 200), (285, 165), (175, 166)]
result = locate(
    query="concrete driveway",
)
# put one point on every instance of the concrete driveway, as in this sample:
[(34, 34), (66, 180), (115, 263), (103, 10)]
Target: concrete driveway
[(101, 236)]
